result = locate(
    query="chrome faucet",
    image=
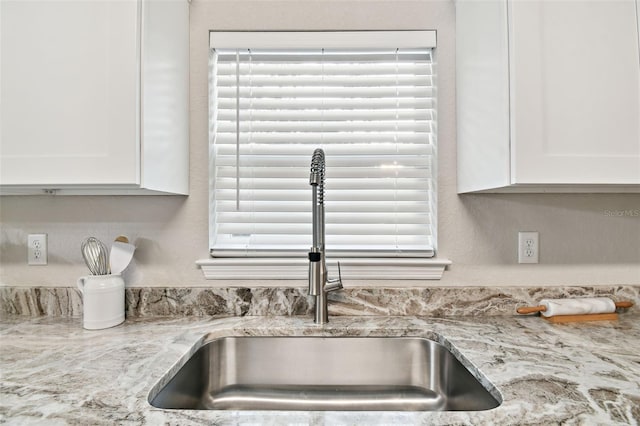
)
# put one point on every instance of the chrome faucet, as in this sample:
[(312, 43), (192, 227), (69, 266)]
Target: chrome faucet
[(319, 283)]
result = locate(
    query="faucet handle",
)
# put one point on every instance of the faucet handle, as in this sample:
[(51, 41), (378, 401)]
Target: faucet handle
[(334, 283)]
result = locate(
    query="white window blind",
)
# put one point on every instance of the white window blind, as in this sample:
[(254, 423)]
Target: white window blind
[(371, 110)]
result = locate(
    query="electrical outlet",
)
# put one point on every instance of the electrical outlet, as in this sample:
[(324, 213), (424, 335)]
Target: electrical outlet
[(528, 247), (37, 249)]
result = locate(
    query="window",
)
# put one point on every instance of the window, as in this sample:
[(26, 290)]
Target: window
[(366, 98)]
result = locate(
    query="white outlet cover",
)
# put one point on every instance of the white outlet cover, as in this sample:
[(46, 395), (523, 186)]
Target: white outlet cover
[(528, 247), (37, 249)]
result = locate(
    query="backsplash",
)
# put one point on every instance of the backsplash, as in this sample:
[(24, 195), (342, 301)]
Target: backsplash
[(435, 302)]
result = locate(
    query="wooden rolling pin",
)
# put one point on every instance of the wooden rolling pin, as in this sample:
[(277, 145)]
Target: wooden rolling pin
[(577, 310), (543, 308)]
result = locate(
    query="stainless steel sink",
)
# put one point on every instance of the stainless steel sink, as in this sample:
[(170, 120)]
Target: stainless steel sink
[(322, 373)]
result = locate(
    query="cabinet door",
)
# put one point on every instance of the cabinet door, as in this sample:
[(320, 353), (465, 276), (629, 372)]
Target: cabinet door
[(69, 92), (575, 92)]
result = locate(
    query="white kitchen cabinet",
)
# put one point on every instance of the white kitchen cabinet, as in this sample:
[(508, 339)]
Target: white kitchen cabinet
[(548, 96), (94, 97)]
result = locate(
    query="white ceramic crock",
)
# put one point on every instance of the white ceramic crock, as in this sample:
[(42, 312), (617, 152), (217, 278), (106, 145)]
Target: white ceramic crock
[(103, 301)]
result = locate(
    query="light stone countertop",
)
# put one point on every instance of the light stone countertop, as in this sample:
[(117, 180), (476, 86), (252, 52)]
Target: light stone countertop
[(52, 371)]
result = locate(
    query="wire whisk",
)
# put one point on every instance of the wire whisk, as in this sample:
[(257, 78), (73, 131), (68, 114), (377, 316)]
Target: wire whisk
[(96, 256)]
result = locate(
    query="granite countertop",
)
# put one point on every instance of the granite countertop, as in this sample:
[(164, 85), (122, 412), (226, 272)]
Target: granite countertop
[(55, 372)]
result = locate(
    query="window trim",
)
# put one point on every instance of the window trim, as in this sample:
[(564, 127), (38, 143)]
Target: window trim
[(292, 268), (269, 268)]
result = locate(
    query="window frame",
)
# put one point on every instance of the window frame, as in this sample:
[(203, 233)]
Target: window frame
[(279, 265)]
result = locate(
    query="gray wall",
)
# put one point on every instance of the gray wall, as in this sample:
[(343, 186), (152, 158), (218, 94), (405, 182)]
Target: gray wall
[(585, 238)]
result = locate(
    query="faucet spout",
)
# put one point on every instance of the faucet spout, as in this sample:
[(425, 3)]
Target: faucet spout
[(319, 283)]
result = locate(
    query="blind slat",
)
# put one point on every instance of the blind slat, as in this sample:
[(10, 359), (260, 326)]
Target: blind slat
[(345, 149), (337, 195), (336, 206), (333, 114), (352, 80), (284, 184), (378, 161), (328, 103), (355, 68), (337, 173), (326, 139), (320, 91), (335, 217)]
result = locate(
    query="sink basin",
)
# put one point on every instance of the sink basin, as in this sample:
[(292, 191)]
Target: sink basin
[(322, 373)]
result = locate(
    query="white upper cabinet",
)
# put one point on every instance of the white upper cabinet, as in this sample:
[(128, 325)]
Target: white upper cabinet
[(94, 96), (548, 95)]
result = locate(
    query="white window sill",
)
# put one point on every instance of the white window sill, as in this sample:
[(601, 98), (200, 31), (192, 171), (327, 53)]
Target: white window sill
[(297, 268)]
